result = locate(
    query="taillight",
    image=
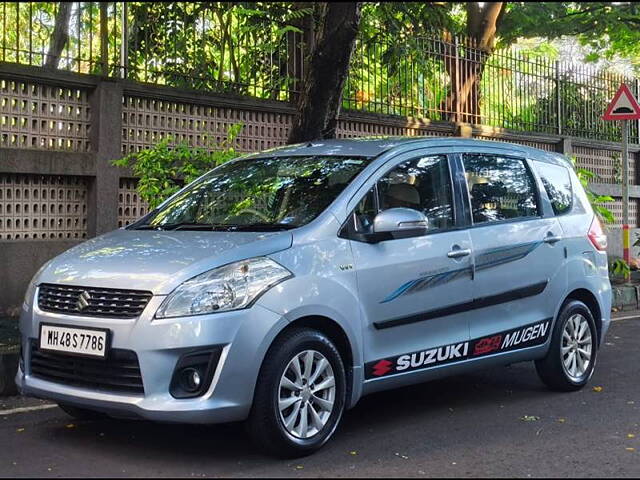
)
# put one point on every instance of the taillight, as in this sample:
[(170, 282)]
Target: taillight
[(596, 235)]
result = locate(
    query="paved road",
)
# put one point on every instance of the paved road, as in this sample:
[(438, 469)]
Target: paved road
[(464, 426)]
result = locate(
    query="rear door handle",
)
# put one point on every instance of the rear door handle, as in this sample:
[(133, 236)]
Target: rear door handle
[(459, 253), (551, 238)]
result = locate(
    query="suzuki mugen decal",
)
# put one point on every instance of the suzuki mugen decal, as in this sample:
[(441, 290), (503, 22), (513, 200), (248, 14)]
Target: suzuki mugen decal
[(527, 336)]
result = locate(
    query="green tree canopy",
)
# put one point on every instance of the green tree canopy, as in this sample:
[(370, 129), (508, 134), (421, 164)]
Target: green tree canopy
[(609, 29)]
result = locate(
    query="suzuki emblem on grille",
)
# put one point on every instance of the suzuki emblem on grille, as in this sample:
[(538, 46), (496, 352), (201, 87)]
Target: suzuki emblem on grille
[(83, 300)]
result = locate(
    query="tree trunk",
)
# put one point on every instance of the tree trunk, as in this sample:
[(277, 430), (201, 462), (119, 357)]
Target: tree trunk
[(223, 43), (295, 63), (469, 77), (463, 102), (321, 94), (60, 35), (104, 39)]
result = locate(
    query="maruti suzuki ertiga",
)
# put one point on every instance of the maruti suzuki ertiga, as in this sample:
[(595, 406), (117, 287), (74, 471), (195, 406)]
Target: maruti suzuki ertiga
[(281, 287)]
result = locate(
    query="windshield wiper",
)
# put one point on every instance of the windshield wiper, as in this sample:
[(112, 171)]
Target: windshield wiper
[(195, 226), (235, 227), (224, 227), (258, 227), (176, 226), (145, 227)]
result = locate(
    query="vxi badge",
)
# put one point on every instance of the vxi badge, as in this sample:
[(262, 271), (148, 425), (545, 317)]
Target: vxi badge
[(527, 336)]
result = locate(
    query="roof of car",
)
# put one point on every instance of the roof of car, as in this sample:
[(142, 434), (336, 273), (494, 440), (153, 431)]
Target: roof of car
[(374, 146)]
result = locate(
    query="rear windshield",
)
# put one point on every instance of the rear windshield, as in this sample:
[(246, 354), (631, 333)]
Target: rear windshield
[(557, 183), (259, 194)]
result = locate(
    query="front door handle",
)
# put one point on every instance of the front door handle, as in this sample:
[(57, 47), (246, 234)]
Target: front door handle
[(459, 253), (551, 238)]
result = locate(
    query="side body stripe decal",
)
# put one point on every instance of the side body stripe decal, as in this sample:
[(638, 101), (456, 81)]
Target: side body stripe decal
[(488, 259), (481, 302)]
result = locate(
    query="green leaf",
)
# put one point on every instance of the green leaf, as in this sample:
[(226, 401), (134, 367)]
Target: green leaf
[(164, 168), (619, 267)]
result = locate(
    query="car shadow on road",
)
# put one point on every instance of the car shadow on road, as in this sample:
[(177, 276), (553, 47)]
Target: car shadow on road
[(473, 391), (228, 443)]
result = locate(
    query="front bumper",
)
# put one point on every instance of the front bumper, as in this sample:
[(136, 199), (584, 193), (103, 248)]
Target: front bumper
[(245, 334)]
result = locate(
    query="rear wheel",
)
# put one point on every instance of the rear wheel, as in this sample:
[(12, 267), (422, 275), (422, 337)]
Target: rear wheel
[(571, 359), (81, 413), (300, 395)]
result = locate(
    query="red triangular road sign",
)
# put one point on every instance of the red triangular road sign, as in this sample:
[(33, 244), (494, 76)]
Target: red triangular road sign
[(624, 106)]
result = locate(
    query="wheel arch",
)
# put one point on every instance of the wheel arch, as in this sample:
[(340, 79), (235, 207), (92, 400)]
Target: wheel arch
[(590, 300), (338, 335)]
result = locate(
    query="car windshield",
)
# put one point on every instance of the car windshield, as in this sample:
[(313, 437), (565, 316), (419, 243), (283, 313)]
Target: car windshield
[(275, 193)]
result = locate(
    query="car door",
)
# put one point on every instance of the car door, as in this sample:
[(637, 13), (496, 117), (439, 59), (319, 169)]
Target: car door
[(519, 253), (412, 289)]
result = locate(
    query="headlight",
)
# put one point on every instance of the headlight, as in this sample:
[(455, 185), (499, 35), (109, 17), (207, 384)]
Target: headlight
[(28, 296), (230, 287)]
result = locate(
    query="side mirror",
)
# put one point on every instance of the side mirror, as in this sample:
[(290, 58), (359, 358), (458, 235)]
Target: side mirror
[(399, 223), (391, 224)]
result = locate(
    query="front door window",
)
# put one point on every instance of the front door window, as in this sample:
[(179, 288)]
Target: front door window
[(422, 184)]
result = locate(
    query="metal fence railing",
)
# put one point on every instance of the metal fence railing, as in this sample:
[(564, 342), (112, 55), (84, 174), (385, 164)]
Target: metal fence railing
[(195, 45), (456, 81), (231, 48)]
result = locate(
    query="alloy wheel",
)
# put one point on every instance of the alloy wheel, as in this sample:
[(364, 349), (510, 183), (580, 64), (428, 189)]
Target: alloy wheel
[(576, 346), (306, 394)]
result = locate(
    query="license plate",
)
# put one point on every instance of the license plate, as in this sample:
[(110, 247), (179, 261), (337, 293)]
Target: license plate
[(89, 342)]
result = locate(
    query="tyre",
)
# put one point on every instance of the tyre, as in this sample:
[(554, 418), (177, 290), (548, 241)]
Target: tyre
[(572, 354), (81, 413), (300, 395), (8, 369)]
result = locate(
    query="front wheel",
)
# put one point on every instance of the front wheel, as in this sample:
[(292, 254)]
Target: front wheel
[(571, 359), (300, 394)]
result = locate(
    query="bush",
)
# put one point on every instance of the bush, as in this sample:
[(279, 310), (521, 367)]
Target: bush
[(586, 176), (164, 168), (619, 267)]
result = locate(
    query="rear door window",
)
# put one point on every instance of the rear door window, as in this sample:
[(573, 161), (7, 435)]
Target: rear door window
[(557, 183), (500, 188)]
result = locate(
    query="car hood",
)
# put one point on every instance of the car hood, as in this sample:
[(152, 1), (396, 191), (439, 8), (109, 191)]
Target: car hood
[(157, 261)]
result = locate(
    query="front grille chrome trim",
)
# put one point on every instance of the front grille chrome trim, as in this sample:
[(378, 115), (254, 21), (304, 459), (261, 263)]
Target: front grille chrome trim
[(91, 301)]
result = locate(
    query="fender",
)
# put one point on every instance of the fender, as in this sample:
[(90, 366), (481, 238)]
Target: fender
[(305, 296), (301, 297)]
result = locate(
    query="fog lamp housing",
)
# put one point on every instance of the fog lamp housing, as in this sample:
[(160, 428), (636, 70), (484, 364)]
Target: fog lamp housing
[(194, 372)]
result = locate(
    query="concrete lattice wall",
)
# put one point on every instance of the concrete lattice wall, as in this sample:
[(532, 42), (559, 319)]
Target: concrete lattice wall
[(59, 133)]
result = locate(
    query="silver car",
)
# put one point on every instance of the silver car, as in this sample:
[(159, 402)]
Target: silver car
[(281, 287)]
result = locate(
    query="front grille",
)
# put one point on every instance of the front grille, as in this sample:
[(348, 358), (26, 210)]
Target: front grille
[(119, 372), (90, 301)]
